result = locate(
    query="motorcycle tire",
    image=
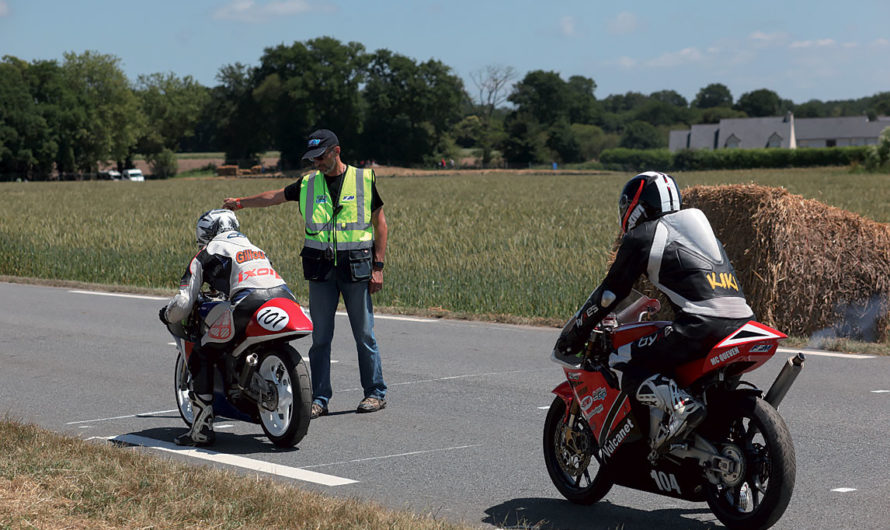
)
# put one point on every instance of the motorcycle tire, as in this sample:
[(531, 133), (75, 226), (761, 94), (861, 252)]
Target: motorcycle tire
[(575, 484), (763, 493), (181, 380), (289, 423)]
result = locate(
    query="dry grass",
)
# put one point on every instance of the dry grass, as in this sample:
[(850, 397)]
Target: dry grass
[(52, 481)]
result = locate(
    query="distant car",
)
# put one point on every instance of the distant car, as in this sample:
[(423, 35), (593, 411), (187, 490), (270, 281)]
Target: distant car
[(133, 174), (111, 174)]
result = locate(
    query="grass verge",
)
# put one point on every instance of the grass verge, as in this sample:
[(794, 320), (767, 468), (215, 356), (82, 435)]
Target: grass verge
[(52, 481)]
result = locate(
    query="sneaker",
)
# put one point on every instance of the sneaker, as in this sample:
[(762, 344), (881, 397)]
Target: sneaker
[(371, 404), (318, 410)]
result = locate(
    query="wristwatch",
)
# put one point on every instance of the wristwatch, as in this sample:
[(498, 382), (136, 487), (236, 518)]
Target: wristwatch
[(378, 265)]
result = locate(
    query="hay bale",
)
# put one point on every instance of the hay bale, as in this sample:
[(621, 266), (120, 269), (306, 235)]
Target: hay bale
[(806, 268), (227, 171)]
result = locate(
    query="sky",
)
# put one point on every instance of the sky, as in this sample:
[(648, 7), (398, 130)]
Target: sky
[(802, 50)]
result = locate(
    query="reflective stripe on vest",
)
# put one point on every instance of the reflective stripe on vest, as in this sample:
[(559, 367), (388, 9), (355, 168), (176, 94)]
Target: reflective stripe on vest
[(351, 229)]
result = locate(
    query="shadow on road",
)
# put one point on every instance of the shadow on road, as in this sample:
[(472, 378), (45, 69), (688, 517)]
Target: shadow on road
[(226, 442), (553, 514)]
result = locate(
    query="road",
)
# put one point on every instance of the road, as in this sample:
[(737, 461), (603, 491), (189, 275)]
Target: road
[(461, 436)]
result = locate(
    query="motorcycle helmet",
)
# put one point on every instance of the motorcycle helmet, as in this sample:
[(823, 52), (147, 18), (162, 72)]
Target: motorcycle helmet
[(214, 222), (645, 197)]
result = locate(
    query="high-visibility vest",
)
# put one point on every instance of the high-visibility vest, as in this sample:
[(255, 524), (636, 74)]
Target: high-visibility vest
[(351, 228)]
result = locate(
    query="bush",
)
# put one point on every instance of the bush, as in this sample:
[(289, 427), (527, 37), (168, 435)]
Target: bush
[(706, 159), (164, 164)]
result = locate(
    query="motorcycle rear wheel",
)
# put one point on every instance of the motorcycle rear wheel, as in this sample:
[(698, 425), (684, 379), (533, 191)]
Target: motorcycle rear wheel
[(571, 463), (761, 496), (289, 422)]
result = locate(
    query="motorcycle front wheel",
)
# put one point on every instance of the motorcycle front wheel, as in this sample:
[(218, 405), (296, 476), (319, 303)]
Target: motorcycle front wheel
[(569, 452), (181, 380), (755, 497), (289, 422)]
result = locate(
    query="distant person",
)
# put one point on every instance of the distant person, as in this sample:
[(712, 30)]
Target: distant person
[(343, 253)]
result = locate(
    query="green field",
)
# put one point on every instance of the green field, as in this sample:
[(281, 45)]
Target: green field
[(527, 245)]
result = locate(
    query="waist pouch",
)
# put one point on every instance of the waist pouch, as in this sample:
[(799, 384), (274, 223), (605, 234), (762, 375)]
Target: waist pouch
[(360, 264), (315, 266)]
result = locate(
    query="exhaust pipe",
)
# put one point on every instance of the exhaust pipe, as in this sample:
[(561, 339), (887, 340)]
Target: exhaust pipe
[(783, 382)]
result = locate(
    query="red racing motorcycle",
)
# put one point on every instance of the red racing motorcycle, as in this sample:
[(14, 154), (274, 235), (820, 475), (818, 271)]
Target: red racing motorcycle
[(739, 459), (262, 379)]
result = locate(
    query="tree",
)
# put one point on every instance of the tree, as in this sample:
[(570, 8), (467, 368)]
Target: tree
[(524, 142), (307, 86), (592, 140), (583, 106), (491, 83), (641, 135), (27, 147), (760, 103), (542, 96), (669, 97), (111, 119), (713, 95), (561, 140), (172, 107), (240, 130), (410, 107)]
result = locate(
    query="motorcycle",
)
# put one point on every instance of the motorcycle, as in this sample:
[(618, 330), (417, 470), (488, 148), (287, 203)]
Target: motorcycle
[(262, 379), (739, 459)]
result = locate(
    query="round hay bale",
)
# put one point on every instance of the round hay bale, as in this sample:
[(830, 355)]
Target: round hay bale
[(806, 268)]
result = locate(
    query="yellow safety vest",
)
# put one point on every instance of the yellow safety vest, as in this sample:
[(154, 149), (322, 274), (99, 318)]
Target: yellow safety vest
[(350, 227)]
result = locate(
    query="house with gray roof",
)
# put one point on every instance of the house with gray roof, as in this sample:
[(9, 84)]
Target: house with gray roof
[(786, 132)]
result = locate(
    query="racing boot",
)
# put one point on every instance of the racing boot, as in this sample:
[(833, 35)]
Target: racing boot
[(674, 412), (201, 432)]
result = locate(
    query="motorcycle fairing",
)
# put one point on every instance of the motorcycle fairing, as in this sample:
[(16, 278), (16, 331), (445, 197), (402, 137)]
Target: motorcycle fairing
[(277, 318), (748, 347), (630, 332), (219, 324), (681, 480), (606, 409)]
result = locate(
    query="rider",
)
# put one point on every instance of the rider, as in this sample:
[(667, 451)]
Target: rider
[(238, 270), (677, 250)]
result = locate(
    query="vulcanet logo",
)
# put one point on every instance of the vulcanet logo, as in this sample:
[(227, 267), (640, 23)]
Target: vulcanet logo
[(619, 437)]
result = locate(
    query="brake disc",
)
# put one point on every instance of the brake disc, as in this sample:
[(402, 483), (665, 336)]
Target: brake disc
[(573, 448)]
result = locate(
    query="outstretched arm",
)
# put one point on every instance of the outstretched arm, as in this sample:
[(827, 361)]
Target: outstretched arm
[(260, 200)]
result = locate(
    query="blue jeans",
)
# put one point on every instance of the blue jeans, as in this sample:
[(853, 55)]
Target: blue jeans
[(323, 298)]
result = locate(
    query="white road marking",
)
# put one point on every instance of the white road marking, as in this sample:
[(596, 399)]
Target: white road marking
[(450, 378), (233, 460), (844, 490), (394, 317), (825, 353), (880, 391), (141, 414), (121, 295), (544, 408), (411, 453)]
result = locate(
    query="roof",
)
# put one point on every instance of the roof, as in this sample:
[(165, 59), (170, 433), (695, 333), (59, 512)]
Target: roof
[(754, 133), (842, 127)]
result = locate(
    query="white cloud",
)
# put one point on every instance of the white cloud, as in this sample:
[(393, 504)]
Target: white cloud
[(4, 8), (625, 22), (881, 42), (253, 11), (820, 43), (567, 26), (763, 39), (678, 58), (626, 62)]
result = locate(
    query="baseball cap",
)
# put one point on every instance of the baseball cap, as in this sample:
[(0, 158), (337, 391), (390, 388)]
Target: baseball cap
[(319, 142)]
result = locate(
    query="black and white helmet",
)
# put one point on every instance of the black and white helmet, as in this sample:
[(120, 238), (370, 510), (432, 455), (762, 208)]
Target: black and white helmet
[(647, 196), (214, 222)]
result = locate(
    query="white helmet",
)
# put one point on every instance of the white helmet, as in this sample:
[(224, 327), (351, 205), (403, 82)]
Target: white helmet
[(214, 222)]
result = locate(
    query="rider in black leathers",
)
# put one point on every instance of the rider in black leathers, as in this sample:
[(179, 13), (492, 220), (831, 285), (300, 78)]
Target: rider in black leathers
[(677, 250), (238, 270)]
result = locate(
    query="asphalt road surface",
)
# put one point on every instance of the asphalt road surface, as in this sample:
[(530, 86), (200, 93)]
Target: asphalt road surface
[(461, 436)]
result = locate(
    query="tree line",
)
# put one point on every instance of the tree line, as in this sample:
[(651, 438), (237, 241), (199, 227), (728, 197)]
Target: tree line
[(75, 115)]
